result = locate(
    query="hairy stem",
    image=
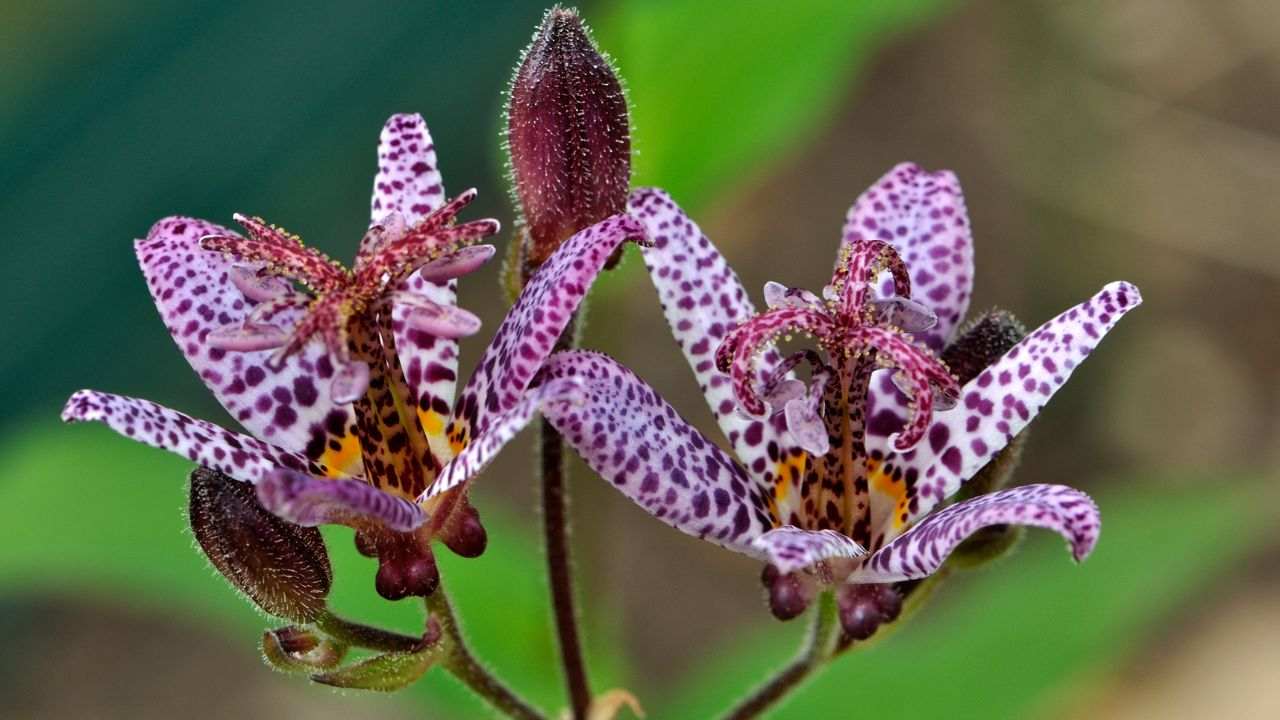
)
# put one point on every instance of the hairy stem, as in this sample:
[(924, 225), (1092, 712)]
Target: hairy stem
[(364, 636), (555, 525), (817, 650), (459, 661)]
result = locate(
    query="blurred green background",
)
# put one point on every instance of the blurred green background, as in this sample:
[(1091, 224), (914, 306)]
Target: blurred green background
[(1095, 141)]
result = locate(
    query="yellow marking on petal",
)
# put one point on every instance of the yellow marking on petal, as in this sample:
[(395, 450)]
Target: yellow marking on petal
[(432, 421), (787, 472), (343, 461), (883, 483)]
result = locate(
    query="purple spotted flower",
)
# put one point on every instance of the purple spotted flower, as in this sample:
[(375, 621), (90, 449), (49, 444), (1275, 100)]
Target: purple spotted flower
[(835, 478), (345, 378)]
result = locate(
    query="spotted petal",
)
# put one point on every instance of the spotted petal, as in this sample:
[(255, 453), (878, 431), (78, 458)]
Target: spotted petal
[(533, 325), (310, 501), (635, 440), (703, 300), (408, 180), (244, 458), (994, 406), (499, 430), (922, 214), (791, 548), (921, 550), (199, 292)]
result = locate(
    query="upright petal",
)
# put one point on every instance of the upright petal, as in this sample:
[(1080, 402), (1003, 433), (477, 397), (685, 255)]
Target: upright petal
[(409, 183), (922, 214), (635, 440), (242, 457), (309, 501), (199, 292), (703, 300), (921, 550), (408, 180), (994, 406), (533, 325)]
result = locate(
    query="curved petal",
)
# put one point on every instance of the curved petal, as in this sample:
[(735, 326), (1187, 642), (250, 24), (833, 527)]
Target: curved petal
[(994, 406), (703, 300), (533, 325), (920, 551), (499, 431), (408, 180), (310, 501), (241, 457), (922, 214), (635, 440), (199, 292), (791, 548)]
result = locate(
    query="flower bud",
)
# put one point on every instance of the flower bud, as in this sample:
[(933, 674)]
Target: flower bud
[(864, 608), (789, 595), (295, 649), (464, 534), (283, 568), (568, 136), (406, 566), (981, 342)]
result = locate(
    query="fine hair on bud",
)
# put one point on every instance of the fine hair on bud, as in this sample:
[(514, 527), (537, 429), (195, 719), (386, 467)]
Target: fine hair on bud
[(283, 568), (568, 136)]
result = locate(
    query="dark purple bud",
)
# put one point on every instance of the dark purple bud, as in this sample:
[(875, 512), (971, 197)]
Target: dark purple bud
[(463, 533), (981, 342), (789, 595), (864, 608), (283, 568), (568, 136), (296, 649), (406, 566)]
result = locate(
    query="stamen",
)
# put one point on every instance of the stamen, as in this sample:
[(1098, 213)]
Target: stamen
[(447, 321), (804, 421), (921, 369), (350, 382), (247, 337), (255, 286), (859, 268), (905, 314), (465, 261), (739, 351), (778, 295)]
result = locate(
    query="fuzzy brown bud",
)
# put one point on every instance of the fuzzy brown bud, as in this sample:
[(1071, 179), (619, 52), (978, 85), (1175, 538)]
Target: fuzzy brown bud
[(982, 342), (568, 136), (283, 568)]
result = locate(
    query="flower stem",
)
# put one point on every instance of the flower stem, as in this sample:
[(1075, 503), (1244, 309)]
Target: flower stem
[(818, 649), (364, 636), (459, 661)]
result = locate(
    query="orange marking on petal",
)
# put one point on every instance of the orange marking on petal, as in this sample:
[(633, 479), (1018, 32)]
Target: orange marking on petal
[(344, 461)]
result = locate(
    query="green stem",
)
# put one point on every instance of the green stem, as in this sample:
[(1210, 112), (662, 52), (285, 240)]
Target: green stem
[(459, 661), (364, 636), (817, 650)]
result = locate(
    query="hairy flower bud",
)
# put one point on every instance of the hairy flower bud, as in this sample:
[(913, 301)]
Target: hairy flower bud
[(283, 568), (568, 136), (981, 342)]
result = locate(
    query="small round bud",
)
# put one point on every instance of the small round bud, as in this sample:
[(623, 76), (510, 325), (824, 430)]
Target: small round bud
[(406, 567), (464, 534), (864, 608), (283, 568), (789, 595)]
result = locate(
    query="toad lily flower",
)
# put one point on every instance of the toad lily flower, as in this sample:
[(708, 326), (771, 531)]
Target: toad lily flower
[(824, 495), (347, 387)]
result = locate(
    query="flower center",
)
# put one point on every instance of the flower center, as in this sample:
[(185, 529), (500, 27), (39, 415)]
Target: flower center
[(856, 331)]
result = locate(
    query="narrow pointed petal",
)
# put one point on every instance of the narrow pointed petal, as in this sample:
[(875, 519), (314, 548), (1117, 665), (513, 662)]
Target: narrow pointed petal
[(408, 180), (309, 501), (920, 551), (791, 548), (994, 407), (242, 457), (703, 300), (533, 325), (922, 214), (197, 292), (499, 430), (635, 440)]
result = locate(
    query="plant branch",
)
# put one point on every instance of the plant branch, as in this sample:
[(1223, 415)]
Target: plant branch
[(818, 648), (364, 636), (459, 661), (555, 525)]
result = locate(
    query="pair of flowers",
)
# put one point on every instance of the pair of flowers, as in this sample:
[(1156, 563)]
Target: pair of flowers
[(345, 380)]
